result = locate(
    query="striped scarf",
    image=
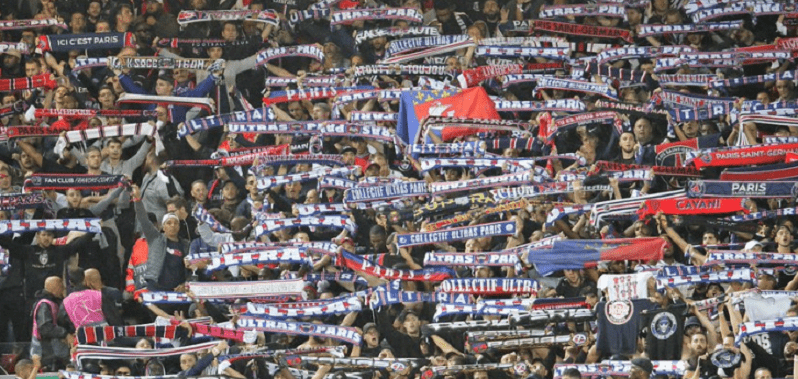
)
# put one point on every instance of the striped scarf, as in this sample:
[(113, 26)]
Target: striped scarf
[(404, 46), (466, 217), (67, 181), (177, 43), (141, 129), (158, 63), (736, 275), (313, 93), (309, 51), (359, 116), (11, 201), (389, 69), (579, 29), (265, 183), (351, 304), (229, 247), (471, 77), (207, 123), (554, 53), (580, 10), (504, 228), (444, 310), (31, 24), (88, 63), (273, 225), (655, 30), (286, 255), (311, 81), (336, 351), (490, 286), (314, 209), (508, 180), (165, 298), (386, 192), (234, 290), (202, 215), (266, 16), (528, 342), (764, 326), (36, 81), (97, 334), (335, 183), (395, 365), (461, 148), (577, 86), (22, 47), (85, 41), (88, 225), (104, 352), (427, 274), (344, 17), (89, 113), (308, 14), (364, 35), (339, 333)]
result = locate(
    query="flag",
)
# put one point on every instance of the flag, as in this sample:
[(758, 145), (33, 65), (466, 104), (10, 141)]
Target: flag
[(415, 106), (579, 254)]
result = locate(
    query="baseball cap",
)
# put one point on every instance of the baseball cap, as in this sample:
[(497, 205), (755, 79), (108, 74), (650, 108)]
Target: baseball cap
[(691, 321), (369, 326), (349, 149), (751, 244)]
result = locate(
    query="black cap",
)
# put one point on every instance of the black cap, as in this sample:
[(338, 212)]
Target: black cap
[(369, 326), (403, 315), (349, 149), (691, 321), (167, 78), (644, 364)]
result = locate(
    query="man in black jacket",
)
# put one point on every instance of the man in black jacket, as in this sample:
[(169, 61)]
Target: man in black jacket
[(44, 259), (50, 341)]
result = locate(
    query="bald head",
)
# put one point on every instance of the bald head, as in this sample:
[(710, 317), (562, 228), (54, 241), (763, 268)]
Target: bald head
[(55, 286), (93, 279)]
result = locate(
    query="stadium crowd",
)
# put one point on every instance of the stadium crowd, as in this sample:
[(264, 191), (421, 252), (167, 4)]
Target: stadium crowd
[(398, 188)]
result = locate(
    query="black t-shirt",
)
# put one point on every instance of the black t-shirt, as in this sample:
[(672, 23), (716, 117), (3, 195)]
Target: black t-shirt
[(665, 332), (173, 273)]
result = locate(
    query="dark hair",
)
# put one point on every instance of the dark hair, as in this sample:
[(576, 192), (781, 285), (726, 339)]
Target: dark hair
[(178, 201), (572, 373)]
